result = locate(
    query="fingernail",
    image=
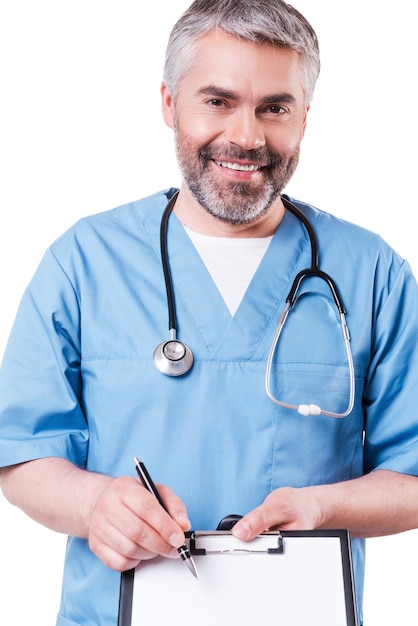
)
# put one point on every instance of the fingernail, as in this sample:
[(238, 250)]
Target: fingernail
[(241, 530), (174, 554), (183, 519), (176, 540)]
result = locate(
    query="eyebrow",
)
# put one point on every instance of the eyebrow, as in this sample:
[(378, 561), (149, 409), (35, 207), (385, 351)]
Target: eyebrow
[(219, 92)]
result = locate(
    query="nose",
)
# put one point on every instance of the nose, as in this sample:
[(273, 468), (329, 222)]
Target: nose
[(244, 129)]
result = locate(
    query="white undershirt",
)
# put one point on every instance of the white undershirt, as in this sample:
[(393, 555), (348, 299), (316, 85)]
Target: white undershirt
[(232, 263)]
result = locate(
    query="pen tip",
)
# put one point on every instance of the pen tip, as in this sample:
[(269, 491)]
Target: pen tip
[(190, 564)]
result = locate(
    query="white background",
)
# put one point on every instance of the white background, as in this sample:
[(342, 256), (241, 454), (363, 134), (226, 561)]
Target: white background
[(81, 132)]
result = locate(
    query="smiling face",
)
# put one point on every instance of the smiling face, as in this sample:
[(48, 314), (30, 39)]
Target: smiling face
[(239, 118)]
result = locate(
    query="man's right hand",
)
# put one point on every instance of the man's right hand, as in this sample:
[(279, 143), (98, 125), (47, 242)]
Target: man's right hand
[(128, 524), (123, 522)]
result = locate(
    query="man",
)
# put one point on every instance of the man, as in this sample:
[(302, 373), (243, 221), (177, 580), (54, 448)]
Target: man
[(80, 396)]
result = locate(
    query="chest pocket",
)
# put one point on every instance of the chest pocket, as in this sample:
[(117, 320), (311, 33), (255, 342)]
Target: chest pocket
[(310, 364)]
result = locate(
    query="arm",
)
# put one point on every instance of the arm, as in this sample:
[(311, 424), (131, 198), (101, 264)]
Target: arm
[(381, 503), (122, 521)]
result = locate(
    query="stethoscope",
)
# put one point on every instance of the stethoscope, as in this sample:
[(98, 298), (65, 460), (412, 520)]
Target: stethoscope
[(174, 358)]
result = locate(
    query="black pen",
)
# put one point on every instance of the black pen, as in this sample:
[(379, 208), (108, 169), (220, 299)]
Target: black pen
[(149, 484)]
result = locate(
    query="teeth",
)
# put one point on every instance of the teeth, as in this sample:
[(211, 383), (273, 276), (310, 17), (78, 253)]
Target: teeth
[(238, 167)]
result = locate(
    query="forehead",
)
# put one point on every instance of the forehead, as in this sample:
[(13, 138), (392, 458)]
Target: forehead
[(227, 61)]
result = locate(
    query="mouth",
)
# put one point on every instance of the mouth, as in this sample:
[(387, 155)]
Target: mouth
[(238, 167)]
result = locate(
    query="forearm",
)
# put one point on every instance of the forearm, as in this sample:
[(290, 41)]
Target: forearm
[(380, 503), (55, 493), (123, 522)]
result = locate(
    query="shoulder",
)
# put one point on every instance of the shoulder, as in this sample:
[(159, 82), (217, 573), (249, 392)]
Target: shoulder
[(95, 243), (355, 241), (357, 256), (111, 230), (123, 217)]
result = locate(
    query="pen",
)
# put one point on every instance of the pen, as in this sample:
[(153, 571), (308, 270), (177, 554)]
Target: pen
[(149, 484)]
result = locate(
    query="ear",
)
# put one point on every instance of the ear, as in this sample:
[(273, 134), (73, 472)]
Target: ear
[(167, 105), (305, 119)]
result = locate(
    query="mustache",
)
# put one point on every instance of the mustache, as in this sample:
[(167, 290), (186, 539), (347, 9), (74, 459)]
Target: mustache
[(258, 156)]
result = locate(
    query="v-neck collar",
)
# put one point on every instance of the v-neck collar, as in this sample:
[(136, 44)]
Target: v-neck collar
[(224, 336)]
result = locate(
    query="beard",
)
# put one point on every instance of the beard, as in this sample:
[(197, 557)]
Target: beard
[(239, 202)]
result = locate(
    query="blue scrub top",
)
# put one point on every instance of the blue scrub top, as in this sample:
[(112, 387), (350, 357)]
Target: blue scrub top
[(78, 382)]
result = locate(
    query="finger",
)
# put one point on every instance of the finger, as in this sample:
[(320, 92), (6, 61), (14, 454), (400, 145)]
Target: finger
[(251, 524), (127, 516), (286, 508), (130, 537), (146, 526), (120, 553), (175, 507), (123, 557), (277, 511), (151, 524)]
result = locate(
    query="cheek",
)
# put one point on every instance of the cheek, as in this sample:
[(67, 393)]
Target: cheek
[(199, 129), (286, 139)]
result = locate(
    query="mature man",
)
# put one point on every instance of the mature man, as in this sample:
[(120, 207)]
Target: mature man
[(80, 395)]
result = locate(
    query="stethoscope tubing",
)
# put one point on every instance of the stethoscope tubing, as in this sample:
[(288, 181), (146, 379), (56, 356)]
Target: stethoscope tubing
[(291, 300), (171, 305), (310, 409)]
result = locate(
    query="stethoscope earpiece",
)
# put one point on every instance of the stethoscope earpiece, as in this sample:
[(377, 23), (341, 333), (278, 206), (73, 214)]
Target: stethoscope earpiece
[(173, 358)]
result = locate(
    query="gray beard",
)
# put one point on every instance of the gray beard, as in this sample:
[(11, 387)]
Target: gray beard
[(237, 203)]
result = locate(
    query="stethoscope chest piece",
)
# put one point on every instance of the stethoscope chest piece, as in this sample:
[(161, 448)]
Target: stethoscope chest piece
[(173, 358)]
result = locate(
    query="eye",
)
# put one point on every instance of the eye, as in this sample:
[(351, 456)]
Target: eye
[(276, 109), (216, 102)]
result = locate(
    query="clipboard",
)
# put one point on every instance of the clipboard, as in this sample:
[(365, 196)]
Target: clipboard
[(288, 578)]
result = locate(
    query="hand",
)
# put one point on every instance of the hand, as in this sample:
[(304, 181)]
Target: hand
[(128, 524), (285, 509)]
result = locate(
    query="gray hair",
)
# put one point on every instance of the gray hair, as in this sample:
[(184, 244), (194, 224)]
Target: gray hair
[(261, 21)]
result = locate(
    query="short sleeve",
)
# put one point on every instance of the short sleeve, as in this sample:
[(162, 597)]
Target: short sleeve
[(40, 384), (391, 390)]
